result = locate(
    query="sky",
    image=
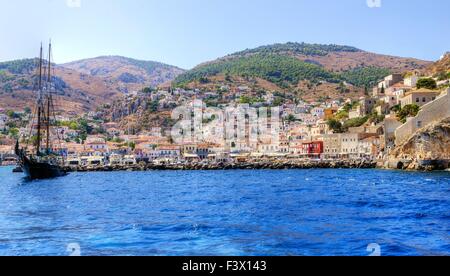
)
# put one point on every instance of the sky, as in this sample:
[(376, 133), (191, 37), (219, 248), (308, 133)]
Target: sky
[(188, 32)]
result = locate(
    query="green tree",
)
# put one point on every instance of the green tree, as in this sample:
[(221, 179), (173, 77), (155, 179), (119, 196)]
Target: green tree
[(278, 101), (335, 126), (147, 90), (408, 111), (11, 114), (14, 133), (356, 122), (341, 115), (342, 87), (132, 145), (396, 108), (73, 125), (427, 83), (291, 118), (154, 106)]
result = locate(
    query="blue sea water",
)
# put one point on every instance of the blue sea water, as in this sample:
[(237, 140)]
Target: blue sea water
[(258, 213)]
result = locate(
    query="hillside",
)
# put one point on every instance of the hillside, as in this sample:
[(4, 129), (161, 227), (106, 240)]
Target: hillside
[(336, 57), (75, 91), (286, 65), (125, 73), (442, 65), (83, 85)]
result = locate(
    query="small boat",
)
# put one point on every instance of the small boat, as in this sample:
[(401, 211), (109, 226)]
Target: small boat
[(44, 161)]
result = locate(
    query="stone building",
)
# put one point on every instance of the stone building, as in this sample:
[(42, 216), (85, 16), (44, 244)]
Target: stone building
[(436, 110), (419, 97)]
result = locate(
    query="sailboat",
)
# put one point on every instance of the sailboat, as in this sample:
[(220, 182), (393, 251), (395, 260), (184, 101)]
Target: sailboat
[(43, 162)]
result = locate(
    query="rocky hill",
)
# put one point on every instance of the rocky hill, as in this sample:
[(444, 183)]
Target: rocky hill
[(286, 66), (441, 66), (126, 74), (83, 85), (428, 148), (75, 91)]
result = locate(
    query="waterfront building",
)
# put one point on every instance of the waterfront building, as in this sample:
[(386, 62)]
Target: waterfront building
[(369, 147), (94, 160), (267, 146), (73, 161), (350, 145), (332, 146), (115, 159), (189, 148), (313, 149), (128, 160), (203, 151)]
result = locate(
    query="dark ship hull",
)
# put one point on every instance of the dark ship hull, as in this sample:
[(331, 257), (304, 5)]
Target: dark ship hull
[(40, 170)]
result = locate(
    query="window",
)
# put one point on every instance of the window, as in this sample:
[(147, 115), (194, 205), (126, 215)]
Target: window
[(424, 100), (419, 124), (417, 100)]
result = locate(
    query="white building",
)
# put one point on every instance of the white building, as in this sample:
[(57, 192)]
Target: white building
[(411, 81), (349, 144)]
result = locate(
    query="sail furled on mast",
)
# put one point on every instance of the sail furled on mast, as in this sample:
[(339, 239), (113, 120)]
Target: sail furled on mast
[(39, 104), (45, 104), (49, 97), (45, 162)]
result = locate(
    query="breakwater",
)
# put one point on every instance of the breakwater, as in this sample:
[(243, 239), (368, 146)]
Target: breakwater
[(253, 165)]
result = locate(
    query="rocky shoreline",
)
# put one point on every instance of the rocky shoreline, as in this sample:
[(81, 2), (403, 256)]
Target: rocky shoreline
[(257, 165)]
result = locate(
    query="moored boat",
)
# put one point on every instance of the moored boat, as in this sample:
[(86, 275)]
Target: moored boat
[(44, 162)]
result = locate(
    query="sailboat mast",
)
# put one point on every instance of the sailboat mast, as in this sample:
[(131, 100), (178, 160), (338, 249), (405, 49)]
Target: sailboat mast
[(38, 138), (49, 95)]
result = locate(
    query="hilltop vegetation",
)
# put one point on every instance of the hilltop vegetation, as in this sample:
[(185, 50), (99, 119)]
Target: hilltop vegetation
[(286, 65), (365, 76), (298, 48), (281, 70), (284, 71), (22, 66)]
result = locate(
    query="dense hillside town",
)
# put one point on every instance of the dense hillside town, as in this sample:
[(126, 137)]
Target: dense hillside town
[(140, 126)]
